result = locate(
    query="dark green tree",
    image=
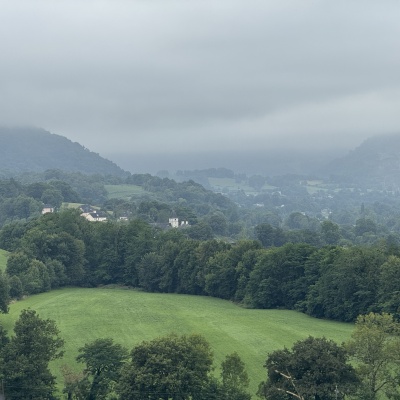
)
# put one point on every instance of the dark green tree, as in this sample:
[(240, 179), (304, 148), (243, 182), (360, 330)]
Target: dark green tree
[(150, 272), (53, 197), (103, 359), (330, 232), (270, 236), (16, 289), (200, 231), (348, 286), (365, 225), (27, 355), (4, 340), (277, 279), (4, 293), (314, 369), (172, 367), (139, 239), (222, 270), (389, 286), (17, 263), (218, 223)]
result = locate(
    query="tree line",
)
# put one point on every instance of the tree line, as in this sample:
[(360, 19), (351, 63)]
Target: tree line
[(287, 214), (334, 282)]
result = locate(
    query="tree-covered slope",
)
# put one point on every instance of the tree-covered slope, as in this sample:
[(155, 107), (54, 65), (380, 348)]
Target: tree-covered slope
[(34, 149), (375, 162)]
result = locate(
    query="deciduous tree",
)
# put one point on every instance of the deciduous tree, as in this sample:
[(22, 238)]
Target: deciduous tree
[(27, 355), (172, 367), (103, 359), (375, 346), (4, 293), (235, 380), (315, 369)]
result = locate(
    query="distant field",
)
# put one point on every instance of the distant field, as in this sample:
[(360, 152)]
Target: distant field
[(315, 186), (130, 317), (230, 184), (3, 259), (71, 205), (123, 191)]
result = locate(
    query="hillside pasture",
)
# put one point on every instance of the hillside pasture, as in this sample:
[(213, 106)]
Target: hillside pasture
[(230, 184), (3, 259), (125, 192), (131, 316)]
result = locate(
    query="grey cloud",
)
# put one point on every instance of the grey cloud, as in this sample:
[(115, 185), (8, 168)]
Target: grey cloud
[(201, 75)]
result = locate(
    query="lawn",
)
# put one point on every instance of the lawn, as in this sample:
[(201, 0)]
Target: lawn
[(124, 191), (130, 317), (3, 259)]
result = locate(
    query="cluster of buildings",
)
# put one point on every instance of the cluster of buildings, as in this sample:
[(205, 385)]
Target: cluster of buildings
[(93, 215)]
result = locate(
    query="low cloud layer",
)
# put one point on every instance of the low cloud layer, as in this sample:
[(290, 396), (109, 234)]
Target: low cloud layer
[(181, 76)]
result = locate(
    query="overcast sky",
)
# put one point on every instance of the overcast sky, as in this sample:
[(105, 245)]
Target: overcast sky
[(173, 75)]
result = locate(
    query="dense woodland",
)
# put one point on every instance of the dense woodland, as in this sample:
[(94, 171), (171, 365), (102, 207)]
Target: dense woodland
[(330, 281)]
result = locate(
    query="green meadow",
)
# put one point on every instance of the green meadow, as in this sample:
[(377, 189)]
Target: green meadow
[(3, 259), (124, 191), (131, 316), (230, 184)]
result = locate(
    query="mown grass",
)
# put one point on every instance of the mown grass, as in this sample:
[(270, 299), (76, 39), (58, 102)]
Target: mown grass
[(3, 259), (130, 317), (124, 191)]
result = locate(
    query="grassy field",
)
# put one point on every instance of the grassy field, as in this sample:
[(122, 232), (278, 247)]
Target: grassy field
[(124, 191), (130, 317), (3, 259), (70, 205), (221, 184)]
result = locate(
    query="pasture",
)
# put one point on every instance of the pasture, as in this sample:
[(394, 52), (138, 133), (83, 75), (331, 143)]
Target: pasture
[(230, 184), (125, 192), (130, 316), (3, 259)]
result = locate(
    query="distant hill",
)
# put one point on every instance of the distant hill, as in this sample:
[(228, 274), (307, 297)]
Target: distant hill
[(33, 149), (376, 163)]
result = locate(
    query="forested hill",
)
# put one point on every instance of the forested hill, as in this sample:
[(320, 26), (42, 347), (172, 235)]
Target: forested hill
[(376, 163), (36, 150)]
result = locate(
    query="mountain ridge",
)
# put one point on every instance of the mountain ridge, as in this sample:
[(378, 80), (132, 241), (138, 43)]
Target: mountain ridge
[(34, 149), (375, 162)]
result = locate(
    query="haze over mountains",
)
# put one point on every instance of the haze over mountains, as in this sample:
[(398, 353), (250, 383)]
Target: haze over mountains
[(266, 162), (376, 161)]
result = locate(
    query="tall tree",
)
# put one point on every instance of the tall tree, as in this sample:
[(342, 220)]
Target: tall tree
[(4, 293), (27, 355), (375, 346), (389, 286), (277, 279), (103, 359), (348, 286), (235, 380)]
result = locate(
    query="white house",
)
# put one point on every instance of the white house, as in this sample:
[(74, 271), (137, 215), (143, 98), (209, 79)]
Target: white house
[(93, 216), (47, 208), (174, 222)]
